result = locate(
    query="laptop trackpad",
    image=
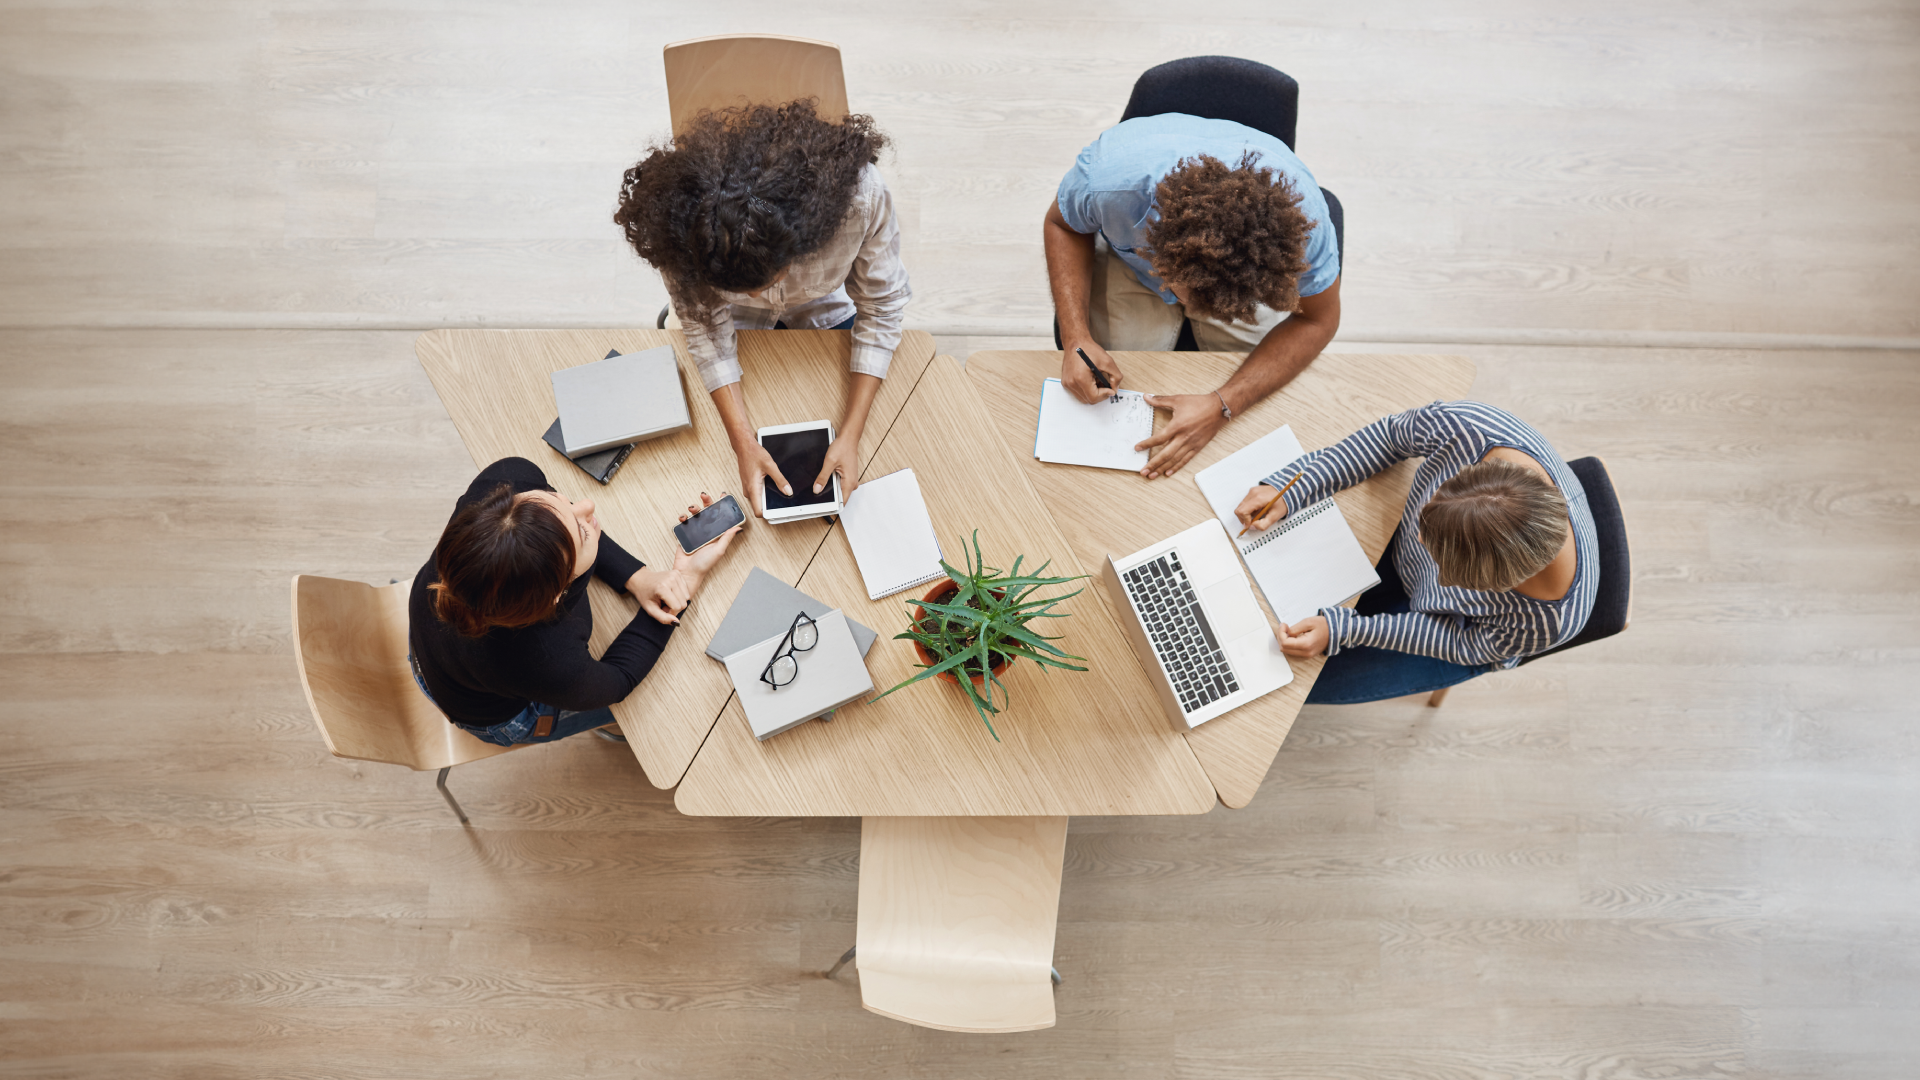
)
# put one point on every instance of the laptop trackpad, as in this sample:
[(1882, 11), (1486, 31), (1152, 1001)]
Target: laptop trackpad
[(1233, 610)]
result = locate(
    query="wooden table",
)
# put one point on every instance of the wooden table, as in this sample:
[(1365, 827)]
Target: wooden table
[(1091, 742), (1339, 393), (495, 387)]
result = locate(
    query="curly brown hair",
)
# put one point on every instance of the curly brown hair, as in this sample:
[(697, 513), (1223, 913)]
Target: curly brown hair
[(742, 193), (1233, 238)]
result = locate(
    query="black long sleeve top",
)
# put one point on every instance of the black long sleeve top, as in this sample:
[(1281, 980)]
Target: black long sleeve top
[(491, 679)]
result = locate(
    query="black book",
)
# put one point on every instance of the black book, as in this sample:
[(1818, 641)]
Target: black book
[(601, 464)]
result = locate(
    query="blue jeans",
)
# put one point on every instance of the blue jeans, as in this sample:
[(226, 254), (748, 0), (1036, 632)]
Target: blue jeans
[(1361, 673), (520, 729)]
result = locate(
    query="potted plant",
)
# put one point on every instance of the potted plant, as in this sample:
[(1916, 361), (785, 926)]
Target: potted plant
[(976, 624)]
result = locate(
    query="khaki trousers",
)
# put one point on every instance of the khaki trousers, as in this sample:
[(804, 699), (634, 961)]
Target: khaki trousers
[(1126, 315)]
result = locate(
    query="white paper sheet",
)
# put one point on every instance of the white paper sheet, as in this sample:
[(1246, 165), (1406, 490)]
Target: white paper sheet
[(1311, 559), (891, 534), (1071, 432)]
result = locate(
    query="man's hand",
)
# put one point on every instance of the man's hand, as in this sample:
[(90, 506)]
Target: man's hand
[(1078, 380), (843, 457), (664, 594), (1308, 637), (755, 463), (1255, 502), (1196, 419)]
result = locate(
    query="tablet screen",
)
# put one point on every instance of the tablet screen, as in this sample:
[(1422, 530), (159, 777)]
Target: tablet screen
[(800, 455)]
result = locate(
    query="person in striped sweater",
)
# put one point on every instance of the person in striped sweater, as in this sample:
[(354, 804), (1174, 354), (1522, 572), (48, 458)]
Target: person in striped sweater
[(1495, 558)]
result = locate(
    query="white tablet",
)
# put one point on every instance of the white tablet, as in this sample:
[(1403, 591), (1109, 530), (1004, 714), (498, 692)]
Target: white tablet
[(800, 450)]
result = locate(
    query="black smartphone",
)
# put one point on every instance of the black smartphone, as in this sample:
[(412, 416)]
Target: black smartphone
[(706, 526)]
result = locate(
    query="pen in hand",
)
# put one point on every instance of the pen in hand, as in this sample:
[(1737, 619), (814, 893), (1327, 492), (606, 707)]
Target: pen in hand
[(1277, 496), (1099, 377)]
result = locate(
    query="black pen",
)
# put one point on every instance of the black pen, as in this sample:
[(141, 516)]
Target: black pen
[(1099, 377)]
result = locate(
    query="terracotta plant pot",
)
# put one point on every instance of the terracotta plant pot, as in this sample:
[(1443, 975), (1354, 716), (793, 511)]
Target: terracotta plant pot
[(940, 594)]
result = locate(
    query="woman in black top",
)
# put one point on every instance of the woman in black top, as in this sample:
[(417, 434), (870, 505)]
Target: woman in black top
[(500, 617)]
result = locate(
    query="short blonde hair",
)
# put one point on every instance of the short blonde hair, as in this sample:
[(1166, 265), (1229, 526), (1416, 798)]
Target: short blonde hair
[(1493, 525)]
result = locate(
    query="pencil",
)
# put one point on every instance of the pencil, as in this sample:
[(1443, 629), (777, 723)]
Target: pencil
[(1263, 510)]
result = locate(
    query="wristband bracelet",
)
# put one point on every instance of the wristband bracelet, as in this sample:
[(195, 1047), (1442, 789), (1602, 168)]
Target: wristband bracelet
[(1224, 411)]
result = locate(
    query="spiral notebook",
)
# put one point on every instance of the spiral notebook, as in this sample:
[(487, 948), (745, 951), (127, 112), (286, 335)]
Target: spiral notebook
[(891, 534), (1311, 559)]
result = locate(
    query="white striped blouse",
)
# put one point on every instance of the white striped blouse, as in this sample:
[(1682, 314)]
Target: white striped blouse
[(1464, 626)]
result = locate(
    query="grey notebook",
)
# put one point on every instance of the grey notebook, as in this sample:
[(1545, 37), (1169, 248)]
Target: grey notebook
[(831, 674), (621, 399), (765, 606)]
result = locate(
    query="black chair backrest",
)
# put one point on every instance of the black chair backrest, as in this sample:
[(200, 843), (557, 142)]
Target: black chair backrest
[(1220, 88), (1611, 603)]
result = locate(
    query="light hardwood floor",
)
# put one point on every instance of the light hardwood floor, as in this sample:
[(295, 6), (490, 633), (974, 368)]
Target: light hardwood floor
[(1690, 851)]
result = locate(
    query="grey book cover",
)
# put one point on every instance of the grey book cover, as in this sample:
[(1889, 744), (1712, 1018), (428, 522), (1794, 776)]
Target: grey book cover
[(766, 606), (831, 675), (620, 399)]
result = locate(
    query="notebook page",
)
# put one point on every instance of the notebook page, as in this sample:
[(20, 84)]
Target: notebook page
[(1311, 559), (891, 533), (1071, 432)]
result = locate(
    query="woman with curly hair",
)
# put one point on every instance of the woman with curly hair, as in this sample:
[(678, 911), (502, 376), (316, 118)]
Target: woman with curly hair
[(770, 217), (1210, 221)]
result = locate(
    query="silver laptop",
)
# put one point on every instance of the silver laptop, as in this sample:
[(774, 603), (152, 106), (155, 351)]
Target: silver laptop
[(1196, 627)]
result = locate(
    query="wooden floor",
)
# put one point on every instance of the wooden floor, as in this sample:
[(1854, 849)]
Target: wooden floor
[(1690, 851)]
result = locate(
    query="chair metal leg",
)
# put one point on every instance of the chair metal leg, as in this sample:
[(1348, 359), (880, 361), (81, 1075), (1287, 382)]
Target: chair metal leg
[(1434, 699), (1055, 972), (835, 969), (451, 801)]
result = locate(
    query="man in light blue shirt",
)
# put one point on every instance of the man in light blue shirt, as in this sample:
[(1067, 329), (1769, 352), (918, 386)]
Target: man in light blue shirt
[(1174, 217)]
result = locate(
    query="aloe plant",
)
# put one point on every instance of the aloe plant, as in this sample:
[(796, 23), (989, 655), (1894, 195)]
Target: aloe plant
[(985, 619)]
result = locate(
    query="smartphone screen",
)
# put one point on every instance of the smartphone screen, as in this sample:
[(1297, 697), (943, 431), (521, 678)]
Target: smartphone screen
[(700, 529), (800, 455)]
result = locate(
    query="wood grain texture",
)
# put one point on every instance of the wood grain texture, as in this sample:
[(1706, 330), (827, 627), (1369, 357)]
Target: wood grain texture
[(1685, 851), (495, 386), (350, 646), (1106, 512), (1072, 742), (957, 919), (730, 70), (1620, 167)]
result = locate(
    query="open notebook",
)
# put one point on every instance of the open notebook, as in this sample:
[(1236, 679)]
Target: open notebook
[(1071, 432), (1311, 559)]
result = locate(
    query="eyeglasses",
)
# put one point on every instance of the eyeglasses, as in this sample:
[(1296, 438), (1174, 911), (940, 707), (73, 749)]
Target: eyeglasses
[(785, 666)]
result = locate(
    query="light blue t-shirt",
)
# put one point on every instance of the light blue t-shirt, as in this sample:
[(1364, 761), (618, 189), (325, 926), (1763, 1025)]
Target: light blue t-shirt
[(1109, 190)]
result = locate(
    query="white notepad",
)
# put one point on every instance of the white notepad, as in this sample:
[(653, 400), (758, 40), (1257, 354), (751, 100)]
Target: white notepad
[(1072, 432), (891, 534), (1311, 559)]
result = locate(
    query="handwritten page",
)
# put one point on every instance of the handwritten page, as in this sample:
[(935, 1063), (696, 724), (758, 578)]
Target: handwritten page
[(1102, 435)]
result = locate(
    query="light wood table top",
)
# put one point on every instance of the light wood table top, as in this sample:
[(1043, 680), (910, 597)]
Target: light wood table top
[(1090, 742), (495, 386), (1109, 512)]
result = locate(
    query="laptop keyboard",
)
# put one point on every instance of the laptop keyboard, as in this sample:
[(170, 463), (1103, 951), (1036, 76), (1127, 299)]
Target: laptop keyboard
[(1179, 631)]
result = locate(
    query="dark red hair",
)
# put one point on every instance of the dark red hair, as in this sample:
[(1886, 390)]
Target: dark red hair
[(502, 561)]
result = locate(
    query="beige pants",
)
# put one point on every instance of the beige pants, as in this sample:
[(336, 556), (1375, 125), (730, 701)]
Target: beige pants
[(1124, 314)]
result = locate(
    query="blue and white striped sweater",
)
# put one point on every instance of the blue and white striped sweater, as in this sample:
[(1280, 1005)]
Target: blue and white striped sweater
[(1465, 626)]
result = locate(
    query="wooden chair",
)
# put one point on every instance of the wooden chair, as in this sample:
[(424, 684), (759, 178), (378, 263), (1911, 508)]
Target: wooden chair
[(1613, 602), (748, 69), (956, 920), (350, 643)]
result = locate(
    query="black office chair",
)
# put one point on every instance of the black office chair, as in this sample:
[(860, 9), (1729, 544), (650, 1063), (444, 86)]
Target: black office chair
[(1613, 603), (1225, 88)]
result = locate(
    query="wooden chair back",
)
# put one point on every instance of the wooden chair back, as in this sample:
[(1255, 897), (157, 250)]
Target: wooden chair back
[(750, 69), (957, 919), (350, 643)]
